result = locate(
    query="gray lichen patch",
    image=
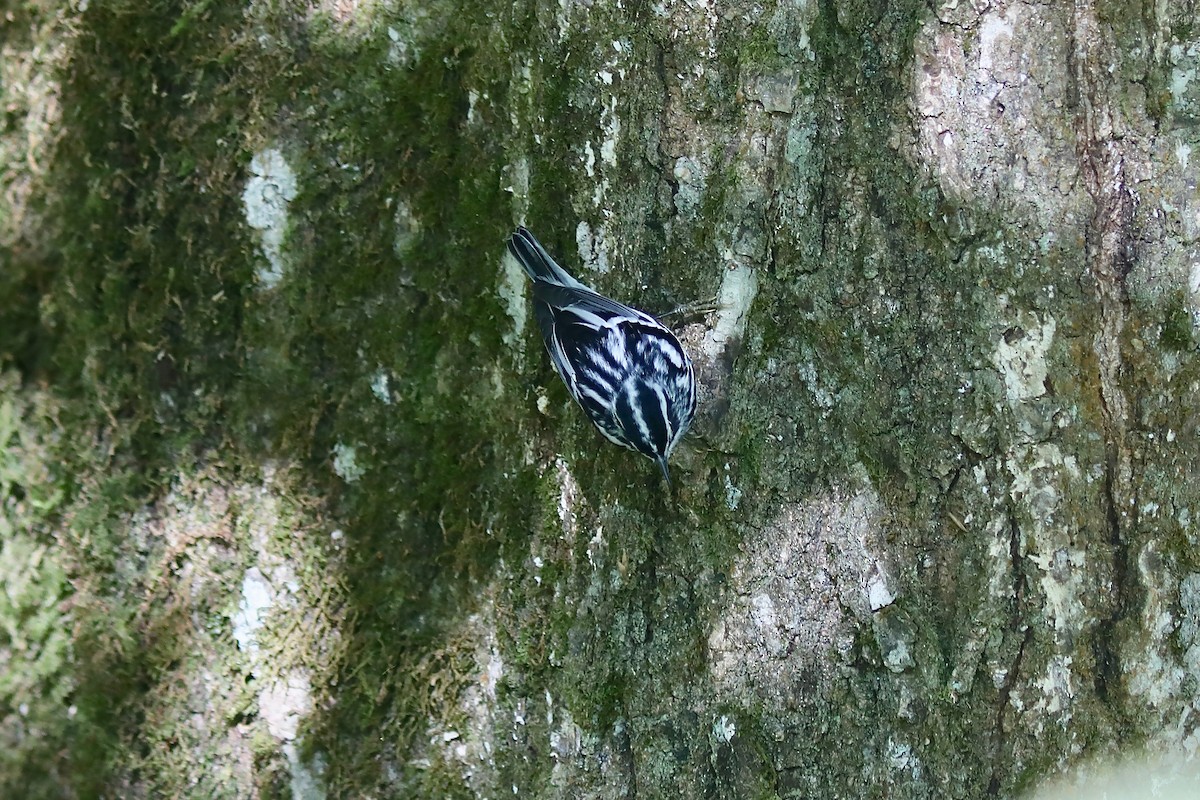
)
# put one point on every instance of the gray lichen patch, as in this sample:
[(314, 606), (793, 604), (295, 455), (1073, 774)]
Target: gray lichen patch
[(935, 533), (235, 664), (796, 597), (986, 96), (468, 727), (270, 187)]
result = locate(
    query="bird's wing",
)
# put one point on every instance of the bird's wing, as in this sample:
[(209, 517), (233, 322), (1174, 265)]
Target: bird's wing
[(551, 331), (584, 307)]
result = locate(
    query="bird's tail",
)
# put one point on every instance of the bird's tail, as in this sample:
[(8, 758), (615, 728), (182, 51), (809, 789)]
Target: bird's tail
[(536, 262)]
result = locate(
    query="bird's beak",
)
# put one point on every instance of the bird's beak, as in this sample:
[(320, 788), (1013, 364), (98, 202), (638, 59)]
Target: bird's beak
[(662, 464)]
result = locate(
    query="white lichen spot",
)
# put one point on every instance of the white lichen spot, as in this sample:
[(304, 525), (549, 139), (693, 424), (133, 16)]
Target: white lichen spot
[(593, 246), (739, 286), (568, 497), (512, 292), (284, 703), (1056, 687), (306, 781), (379, 387), (1000, 584), (610, 123), (514, 179), (595, 547), (1183, 153), (589, 159), (492, 673), (1021, 357), (879, 595), (690, 179), (1194, 289), (762, 614), (257, 599), (1183, 73), (566, 741), (1189, 626), (1039, 477), (733, 495), (473, 98), (897, 656), (345, 463), (401, 52), (1062, 583), (824, 398), (274, 600), (271, 187), (995, 42), (724, 729), (407, 229), (901, 758), (1156, 675)]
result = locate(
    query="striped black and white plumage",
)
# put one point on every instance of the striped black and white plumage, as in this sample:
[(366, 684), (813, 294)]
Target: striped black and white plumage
[(628, 372)]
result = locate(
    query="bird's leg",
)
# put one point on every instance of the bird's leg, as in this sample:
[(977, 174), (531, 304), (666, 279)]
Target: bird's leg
[(687, 311)]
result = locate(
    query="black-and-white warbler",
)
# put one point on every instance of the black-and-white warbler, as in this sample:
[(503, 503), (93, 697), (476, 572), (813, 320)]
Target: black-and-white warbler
[(628, 372)]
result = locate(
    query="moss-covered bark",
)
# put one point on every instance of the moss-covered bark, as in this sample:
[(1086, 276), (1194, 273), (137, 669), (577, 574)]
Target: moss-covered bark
[(292, 504)]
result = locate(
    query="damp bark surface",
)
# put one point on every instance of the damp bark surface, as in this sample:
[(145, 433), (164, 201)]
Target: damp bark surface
[(292, 503)]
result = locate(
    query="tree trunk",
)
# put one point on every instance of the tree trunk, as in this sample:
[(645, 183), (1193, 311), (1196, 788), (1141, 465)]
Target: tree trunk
[(293, 503)]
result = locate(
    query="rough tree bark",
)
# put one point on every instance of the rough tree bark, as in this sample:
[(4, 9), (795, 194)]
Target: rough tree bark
[(291, 502)]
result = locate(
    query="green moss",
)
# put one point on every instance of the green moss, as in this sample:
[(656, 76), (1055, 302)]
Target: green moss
[(1177, 327), (36, 675), (1138, 64), (167, 355)]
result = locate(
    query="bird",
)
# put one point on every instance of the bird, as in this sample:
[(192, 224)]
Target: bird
[(627, 371)]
